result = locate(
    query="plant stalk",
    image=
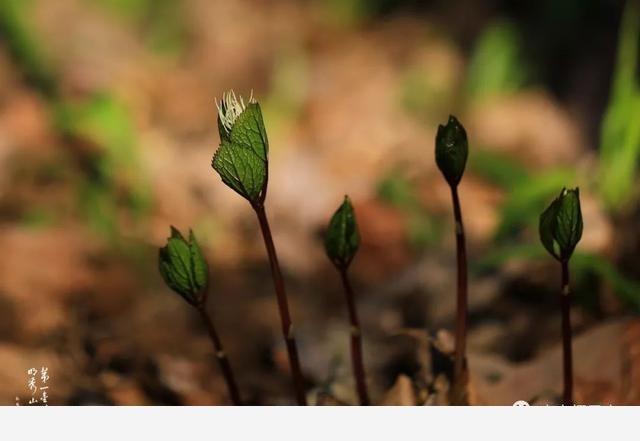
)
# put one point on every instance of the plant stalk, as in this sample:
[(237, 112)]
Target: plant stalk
[(462, 298), (356, 340), (221, 355), (567, 357), (283, 306)]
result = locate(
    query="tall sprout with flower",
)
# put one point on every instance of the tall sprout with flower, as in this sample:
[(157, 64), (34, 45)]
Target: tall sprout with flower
[(242, 161)]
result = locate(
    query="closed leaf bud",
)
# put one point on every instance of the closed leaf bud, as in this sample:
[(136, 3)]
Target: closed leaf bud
[(342, 238), (452, 150), (242, 157), (183, 267), (561, 224)]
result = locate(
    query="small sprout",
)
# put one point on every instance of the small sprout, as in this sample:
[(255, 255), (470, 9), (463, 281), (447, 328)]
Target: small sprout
[(560, 232), (342, 239), (561, 224), (341, 243), (183, 267), (452, 150), (242, 157), (184, 270)]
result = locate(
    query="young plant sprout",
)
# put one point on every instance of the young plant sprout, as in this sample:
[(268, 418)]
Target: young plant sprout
[(242, 161), (184, 270), (341, 243), (560, 232), (451, 157)]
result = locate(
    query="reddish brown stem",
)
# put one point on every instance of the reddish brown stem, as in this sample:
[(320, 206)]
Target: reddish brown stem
[(283, 306), (462, 299), (356, 340), (221, 355), (567, 358)]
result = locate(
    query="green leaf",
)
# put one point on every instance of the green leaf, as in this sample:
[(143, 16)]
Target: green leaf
[(241, 170), (561, 224), (249, 131), (342, 238), (183, 267), (547, 227), (569, 222), (242, 158), (452, 150), (198, 263)]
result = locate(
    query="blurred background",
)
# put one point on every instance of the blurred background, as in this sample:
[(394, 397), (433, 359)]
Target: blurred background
[(108, 126)]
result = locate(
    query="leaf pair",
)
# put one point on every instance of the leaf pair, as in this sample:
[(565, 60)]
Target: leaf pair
[(561, 224), (183, 267), (242, 157), (342, 238), (452, 149)]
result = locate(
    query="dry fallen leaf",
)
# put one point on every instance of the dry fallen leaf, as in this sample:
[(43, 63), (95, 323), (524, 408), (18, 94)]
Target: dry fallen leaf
[(401, 394)]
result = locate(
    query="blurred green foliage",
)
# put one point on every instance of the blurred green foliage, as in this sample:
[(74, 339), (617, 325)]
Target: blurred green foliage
[(114, 186), (37, 217), (524, 199), (584, 267), (396, 190), (497, 168), (346, 12), (117, 181), (355, 12), (626, 288), (423, 95), (423, 229), (526, 192), (497, 66), (162, 22), (620, 131), (23, 44), (113, 183), (527, 196), (288, 88)]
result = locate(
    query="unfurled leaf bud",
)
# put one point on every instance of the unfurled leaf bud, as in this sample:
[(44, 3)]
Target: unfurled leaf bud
[(452, 150), (183, 267), (561, 224), (342, 238), (241, 158)]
